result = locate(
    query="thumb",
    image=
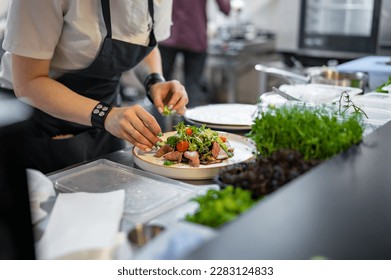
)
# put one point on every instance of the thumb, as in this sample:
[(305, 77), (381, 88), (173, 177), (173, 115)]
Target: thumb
[(157, 99)]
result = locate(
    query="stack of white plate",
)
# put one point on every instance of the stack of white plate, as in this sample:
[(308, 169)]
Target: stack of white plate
[(232, 116)]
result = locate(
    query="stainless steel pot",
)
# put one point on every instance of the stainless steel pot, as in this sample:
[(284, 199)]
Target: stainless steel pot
[(324, 76)]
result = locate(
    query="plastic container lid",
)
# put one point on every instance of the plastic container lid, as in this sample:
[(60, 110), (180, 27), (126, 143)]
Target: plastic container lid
[(146, 195)]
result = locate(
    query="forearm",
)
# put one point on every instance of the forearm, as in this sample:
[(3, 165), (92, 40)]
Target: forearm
[(31, 82), (150, 64), (58, 101)]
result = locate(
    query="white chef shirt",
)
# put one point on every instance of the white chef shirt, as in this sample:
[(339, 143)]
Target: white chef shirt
[(70, 32)]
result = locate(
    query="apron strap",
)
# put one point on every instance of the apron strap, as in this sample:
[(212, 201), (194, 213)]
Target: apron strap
[(151, 11), (106, 16), (152, 38)]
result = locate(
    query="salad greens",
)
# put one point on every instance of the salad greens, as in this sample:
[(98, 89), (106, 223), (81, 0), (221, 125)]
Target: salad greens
[(315, 133), (217, 207), (166, 111), (199, 139)]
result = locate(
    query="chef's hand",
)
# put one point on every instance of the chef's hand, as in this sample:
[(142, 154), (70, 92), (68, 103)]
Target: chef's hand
[(135, 125), (170, 93)]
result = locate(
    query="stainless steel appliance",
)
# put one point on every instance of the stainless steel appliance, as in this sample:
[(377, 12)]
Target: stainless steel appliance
[(334, 29)]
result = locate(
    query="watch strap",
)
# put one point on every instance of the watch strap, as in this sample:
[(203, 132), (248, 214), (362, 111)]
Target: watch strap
[(99, 114), (150, 80)]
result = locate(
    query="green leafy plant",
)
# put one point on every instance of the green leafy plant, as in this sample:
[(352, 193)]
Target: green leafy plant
[(386, 83), (218, 207), (317, 133)]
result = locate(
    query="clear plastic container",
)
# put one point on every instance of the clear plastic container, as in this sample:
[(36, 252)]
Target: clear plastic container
[(374, 100), (146, 195)]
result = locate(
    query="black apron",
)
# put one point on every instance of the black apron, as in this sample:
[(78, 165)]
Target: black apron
[(99, 81)]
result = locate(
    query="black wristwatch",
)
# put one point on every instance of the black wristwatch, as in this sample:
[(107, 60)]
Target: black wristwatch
[(150, 80), (99, 114)]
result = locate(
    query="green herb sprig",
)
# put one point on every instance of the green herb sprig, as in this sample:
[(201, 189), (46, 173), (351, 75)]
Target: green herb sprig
[(345, 102), (166, 112)]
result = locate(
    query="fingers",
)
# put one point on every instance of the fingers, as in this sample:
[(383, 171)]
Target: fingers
[(179, 99), (178, 95), (171, 93), (138, 140), (135, 125), (181, 110), (145, 129)]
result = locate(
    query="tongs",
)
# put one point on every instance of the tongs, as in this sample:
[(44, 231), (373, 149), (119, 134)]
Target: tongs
[(284, 94)]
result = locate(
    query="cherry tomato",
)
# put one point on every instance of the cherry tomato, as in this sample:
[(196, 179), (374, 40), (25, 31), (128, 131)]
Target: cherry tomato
[(182, 146), (189, 131), (223, 138)]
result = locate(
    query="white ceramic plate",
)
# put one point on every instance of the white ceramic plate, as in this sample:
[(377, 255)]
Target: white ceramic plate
[(220, 126), (223, 116), (243, 151)]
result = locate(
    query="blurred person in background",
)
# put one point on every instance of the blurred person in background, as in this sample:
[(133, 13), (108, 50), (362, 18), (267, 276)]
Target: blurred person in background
[(189, 38)]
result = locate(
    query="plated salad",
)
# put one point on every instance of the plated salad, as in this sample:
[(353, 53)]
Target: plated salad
[(194, 146)]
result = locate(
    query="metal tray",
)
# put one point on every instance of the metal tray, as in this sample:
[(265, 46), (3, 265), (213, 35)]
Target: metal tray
[(146, 195)]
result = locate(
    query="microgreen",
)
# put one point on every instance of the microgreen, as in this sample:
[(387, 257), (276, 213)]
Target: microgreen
[(317, 133)]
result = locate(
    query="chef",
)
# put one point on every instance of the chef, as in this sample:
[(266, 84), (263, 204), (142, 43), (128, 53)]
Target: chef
[(65, 58)]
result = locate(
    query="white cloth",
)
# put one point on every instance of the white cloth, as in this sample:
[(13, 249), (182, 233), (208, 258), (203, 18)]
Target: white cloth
[(40, 189), (70, 32), (81, 223)]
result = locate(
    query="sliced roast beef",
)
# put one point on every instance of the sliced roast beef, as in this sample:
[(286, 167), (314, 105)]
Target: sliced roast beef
[(215, 149), (163, 150), (222, 155), (173, 156), (218, 153), (193, 157)]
